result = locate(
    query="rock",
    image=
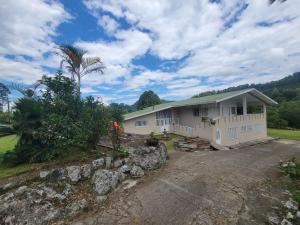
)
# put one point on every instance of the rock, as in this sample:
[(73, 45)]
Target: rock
[(57, 174), (108, 162), (44, 173), (118, 163), (52, 194), (104, 181), (121, 176), (290, 204), (21, 190), (129, 184), (77, 206), (284, 165), (273, 220), (101, 198), (7, 186), (291, 164), (125, 169), (150, 159), (289, 215), (74, 173), (86, 170), (285, 222), (98, 163), (298, 214), (136, 171)]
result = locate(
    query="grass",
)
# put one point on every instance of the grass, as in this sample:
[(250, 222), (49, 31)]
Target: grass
[(7, 143), (16, 170), (170, 142), (285, 134), (74, 156)]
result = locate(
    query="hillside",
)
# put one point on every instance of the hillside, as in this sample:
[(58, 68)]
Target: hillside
[(286, 89)]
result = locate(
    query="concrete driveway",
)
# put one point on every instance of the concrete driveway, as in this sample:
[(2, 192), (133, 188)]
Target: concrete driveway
[(242, 186)]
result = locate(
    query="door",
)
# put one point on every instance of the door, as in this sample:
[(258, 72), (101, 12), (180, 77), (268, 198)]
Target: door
[(218, 136), (165, 124)]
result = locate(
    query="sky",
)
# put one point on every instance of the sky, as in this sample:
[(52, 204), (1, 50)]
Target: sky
[(175, 48)]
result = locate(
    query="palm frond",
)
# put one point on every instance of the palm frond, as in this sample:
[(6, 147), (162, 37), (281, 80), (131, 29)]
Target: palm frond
[(92, 64)]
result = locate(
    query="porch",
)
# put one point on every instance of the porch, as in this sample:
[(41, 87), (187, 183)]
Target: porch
[(227, 130)]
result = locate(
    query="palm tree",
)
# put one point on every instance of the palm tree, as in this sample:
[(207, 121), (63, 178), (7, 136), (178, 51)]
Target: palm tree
[(77, 64)]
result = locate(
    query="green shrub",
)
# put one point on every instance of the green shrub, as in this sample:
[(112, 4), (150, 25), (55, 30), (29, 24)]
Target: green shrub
[(58, 120)]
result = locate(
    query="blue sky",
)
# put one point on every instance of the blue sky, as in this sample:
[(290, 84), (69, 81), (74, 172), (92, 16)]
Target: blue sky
[(176, 48)]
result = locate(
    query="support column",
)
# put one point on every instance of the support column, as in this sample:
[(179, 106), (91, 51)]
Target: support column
[(244, 105)]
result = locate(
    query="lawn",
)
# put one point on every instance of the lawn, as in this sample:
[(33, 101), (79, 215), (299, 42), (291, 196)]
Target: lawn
[(285, 134), (7, 143)]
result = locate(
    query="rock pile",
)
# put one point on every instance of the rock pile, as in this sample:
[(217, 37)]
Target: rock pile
[(51, 196), (192, 144)]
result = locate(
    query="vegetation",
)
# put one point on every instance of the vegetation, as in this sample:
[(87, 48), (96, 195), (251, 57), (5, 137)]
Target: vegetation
[(78, 65), (292, 169), (148, 98), (4, 92), (285, 91), (56, 121), (285, 134), (5, 117)]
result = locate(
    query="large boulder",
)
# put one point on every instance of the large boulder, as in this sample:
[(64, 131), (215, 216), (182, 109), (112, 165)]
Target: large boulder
[(74, 173), (105, 180), (136, 171), (149, 158)]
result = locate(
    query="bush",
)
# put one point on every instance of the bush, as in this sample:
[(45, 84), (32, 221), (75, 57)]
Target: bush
[(51, 124), (6, 117)]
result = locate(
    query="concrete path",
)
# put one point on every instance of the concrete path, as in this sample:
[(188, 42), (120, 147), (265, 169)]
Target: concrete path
[(242, 186)]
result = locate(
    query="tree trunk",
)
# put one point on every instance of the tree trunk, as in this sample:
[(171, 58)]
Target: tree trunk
[(79, 83)]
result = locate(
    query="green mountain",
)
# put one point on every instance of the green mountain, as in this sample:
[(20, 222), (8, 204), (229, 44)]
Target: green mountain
[(286, 89)]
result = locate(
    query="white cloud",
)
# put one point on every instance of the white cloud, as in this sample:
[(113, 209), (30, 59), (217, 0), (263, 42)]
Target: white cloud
[(27, 28), (108, 23), (232, 42)]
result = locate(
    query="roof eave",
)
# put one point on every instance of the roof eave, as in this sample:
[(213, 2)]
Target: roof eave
[(147, 113)]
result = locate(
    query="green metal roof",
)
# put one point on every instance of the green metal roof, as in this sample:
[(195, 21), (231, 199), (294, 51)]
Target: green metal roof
[(198, 101)]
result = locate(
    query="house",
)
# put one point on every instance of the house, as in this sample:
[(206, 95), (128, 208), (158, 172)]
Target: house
[(226, 119)]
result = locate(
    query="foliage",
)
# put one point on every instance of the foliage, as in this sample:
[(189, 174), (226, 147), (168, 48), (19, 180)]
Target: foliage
[(118, 110), (6, 130), (5, 117), (4, 92), (78, 65), (148, 98), (56, 121), (292, 169)]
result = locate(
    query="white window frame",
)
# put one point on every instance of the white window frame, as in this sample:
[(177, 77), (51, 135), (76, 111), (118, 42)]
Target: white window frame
[(140, 123)]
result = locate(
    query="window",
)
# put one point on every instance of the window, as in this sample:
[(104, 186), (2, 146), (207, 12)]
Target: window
[(203, 111), (233, 111), (232, 132), (196, 112), (141, 123)]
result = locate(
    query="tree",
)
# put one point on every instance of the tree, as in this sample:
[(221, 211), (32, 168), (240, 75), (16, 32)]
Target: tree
[(148, 98), (4, 92), (78, 65)]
